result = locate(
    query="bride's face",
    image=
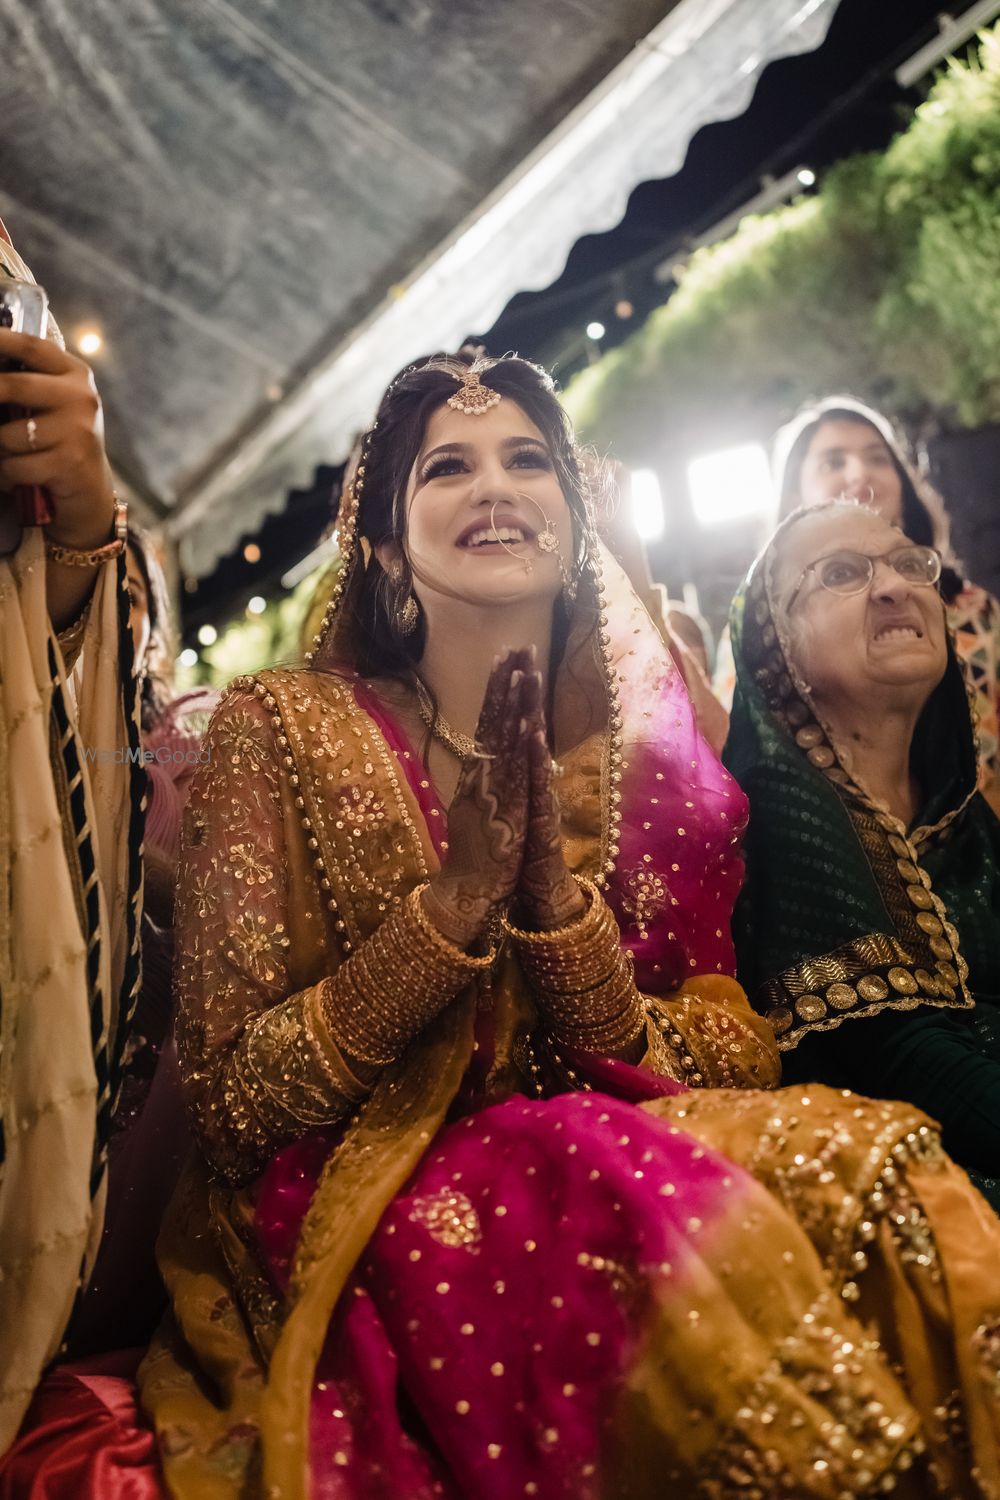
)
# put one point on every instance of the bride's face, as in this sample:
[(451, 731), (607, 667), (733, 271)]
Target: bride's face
[(473, 477)]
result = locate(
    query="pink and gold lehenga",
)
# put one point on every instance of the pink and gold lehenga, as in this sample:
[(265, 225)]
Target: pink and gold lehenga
[(508, 1270)]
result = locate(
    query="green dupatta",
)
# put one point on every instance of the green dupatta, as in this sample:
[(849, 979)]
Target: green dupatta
[(845, 911)]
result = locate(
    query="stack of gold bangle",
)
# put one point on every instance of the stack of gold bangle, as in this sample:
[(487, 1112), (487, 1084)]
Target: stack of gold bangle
[(584, 980), (395, 984)]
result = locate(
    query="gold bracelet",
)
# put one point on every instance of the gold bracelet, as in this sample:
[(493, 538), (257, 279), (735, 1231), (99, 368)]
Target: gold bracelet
[(92, 557), (75, 557)]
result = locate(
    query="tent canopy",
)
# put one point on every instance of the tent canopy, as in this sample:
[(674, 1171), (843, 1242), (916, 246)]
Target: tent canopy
[(266, 210)]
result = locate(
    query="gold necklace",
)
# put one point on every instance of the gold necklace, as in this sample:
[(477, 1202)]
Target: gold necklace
[(461, 745)]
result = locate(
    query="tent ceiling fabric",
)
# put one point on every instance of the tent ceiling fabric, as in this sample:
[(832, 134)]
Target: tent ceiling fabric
[(269, 208)]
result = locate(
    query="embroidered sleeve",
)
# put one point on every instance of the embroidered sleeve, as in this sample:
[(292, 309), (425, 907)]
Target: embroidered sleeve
[(259, 1065), (712, 1036)]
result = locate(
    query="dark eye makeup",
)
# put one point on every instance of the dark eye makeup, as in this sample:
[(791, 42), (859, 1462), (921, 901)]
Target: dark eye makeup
[(528, 455)]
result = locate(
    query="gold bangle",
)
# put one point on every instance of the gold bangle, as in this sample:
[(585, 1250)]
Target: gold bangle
[(595, 1001), (558, 934), (393, 985), (619, 1032), (331, 1059), (447, 948)]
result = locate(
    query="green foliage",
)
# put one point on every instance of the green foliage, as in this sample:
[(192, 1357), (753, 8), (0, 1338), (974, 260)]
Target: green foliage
[(942, 192), (885, 283)]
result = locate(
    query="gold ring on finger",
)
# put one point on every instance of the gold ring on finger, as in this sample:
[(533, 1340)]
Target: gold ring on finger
[(32, 429)]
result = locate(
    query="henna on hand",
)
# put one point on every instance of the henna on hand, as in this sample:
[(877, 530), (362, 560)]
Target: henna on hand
[(548, 896), (488, 815)]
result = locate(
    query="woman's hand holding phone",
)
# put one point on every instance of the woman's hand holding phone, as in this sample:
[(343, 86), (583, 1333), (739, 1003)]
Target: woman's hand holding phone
[(60, 446)]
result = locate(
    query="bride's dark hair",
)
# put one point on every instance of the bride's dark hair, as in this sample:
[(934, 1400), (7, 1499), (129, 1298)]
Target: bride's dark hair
[(388, 452)]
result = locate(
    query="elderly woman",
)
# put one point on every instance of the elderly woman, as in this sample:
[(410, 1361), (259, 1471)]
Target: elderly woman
[(867, 929), (839, 447)]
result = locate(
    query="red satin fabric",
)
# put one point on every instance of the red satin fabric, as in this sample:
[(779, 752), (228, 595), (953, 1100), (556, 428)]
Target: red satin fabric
[(84, 1438)]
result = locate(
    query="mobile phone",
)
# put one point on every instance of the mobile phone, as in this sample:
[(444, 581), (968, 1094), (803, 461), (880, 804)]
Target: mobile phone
[(24, 308)]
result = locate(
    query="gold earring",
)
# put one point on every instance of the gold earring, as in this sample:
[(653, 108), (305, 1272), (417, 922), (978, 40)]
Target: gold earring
[(408, 615)]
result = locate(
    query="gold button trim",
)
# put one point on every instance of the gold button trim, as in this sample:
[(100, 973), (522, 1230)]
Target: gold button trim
[(919, 896), (822, 756), (810, 1007)]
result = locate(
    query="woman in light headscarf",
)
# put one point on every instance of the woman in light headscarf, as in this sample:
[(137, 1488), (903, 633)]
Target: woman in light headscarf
[(70, 836)]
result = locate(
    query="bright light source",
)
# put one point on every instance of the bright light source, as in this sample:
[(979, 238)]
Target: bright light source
[(208, 635), (90, 341), (257, 605), (647, 504), (251, 552), (731, 485), (188, 657), (623, 308), (806, 176), (595, 331)]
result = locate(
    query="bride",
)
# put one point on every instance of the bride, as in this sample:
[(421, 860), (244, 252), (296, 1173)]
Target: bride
[(494, 1199)]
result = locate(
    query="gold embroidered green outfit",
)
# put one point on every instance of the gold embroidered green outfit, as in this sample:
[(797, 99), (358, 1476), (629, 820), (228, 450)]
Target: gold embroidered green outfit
[(870, 947)]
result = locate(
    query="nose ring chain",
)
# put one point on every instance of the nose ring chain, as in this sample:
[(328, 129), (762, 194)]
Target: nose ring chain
[(546, 540)]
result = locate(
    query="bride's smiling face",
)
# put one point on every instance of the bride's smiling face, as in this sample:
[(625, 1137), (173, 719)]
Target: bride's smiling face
[(474, 477)]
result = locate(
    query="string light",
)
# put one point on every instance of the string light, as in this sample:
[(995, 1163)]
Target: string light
[(251, 552), (89, 341), (208, 635), (188, 657), (806, 176), (256, 605), (595, 330)]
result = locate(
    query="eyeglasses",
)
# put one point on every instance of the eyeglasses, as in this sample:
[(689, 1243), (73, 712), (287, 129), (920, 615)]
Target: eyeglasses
[(852, 572)]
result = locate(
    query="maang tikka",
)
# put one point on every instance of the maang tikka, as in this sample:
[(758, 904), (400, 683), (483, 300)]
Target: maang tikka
[(472, 397)]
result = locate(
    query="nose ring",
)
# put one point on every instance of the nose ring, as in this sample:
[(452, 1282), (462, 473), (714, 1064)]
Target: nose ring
[(866, 499), (545, 541)]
